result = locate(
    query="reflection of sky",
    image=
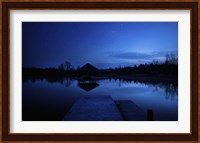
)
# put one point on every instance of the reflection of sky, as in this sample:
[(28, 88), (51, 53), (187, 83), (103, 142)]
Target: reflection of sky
[(103, 44), (42, 99)]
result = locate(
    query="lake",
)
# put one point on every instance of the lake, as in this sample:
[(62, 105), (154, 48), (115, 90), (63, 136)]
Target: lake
[(45, 100)]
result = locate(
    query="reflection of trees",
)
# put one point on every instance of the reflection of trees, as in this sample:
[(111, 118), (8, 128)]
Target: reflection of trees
[(170, 89), (64, 81), (68, 82), (32, 79), (170, 86), (55, 79), (52, 79)]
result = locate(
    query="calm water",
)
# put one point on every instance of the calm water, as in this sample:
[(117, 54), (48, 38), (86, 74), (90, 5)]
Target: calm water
[(43, 100)]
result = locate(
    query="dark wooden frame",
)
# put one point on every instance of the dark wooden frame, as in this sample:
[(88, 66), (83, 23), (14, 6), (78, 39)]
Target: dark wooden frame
[(7, 136)]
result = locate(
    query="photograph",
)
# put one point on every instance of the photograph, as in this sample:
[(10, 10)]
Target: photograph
[(100, 71)]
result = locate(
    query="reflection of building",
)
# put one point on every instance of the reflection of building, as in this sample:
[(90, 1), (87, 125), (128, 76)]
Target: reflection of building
[(88, 86)]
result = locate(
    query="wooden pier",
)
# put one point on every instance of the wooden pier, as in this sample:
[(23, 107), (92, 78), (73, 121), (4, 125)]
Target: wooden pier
[(130, 111), (94, 109), (104, 108)]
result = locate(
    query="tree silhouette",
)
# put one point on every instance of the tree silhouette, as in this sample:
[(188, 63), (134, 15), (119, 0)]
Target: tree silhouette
[(68, 66), (65, 66), (61, 67), (171, 59)]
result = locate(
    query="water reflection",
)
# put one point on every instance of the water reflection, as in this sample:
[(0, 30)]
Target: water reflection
[(60, 94), (68, 82), (88, 86), (170, 87), (87, 83)]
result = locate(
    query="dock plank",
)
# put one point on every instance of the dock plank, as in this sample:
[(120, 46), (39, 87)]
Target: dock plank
[(130, 111), (94, 109)]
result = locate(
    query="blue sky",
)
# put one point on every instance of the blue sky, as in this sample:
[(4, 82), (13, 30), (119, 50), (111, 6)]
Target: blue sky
[(103, 44)]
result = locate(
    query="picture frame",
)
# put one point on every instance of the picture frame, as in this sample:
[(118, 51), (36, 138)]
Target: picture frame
[(7, 136)]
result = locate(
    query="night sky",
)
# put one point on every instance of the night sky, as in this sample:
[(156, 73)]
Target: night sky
[(102, 44)]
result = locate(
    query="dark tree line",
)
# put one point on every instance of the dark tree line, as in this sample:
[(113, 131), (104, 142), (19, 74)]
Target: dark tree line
[(168, 67)]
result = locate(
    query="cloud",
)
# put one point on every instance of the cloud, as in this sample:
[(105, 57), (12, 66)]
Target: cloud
[(145, 56), (164, 53), (129, 58), (132, 55)]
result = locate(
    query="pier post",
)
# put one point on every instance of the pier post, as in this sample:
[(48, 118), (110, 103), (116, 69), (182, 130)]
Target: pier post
[(150, 115)]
